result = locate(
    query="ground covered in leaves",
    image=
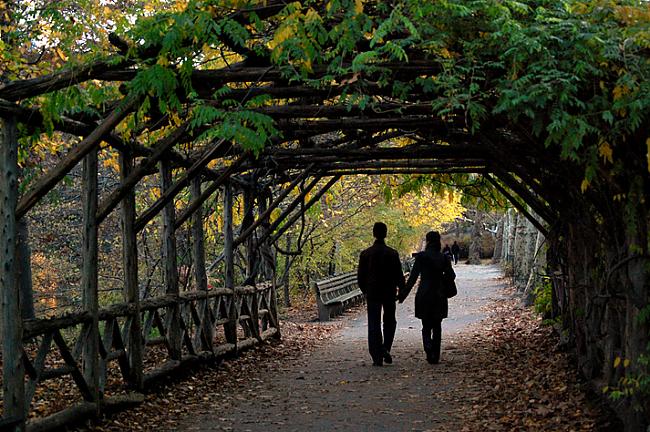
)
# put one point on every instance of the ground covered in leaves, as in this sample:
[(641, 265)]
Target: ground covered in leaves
[(502, 373), (210, 384)]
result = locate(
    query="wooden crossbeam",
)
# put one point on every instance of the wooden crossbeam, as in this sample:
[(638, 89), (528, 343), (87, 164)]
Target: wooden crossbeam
[(307, 206), (541, 228), (47, 182), (276, 202), (209, 190), (181, 183), (143, 169)]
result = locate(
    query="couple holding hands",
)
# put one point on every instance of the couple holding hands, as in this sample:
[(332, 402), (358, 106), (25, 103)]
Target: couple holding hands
[(381, 279)]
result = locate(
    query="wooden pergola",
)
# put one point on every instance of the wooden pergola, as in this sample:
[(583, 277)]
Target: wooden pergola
[(319, 141)]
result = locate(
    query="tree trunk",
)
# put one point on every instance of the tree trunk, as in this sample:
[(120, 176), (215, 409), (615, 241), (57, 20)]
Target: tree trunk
[(538, 264), (520, 246), (498, 241), (331, 270), (476, 240), (512, 230), (287, 267)]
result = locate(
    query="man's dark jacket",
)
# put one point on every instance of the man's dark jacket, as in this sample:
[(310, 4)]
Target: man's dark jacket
[(380, 273), (430, 299)]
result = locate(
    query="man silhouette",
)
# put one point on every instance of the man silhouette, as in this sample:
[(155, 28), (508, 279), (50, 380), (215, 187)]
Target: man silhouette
[(379, 275)]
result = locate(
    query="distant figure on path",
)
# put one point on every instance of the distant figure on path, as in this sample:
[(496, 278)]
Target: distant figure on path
[(446, 250), (379, 275), (455, 251), (430, 300)]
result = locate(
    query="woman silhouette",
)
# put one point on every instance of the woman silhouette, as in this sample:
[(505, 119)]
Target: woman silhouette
[(430, 300)]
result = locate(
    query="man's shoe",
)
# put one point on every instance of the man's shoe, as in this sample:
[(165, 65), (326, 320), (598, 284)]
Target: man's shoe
[(377, 363), (387, 358)]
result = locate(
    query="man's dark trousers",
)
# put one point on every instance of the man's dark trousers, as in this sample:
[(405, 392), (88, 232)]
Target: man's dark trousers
[(377, 344)]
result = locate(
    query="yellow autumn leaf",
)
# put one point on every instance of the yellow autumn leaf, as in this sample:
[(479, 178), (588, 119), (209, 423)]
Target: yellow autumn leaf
[(61, 54), (307, 65), (584, 185), (606, 152), (620, 91), (445, 53), (283, 34), (358, 6), (163, 61), (626, 363), (275, 214), (617, 362)]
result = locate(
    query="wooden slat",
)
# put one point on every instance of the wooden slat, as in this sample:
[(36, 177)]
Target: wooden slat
[(126, 364), (39, 364), (57, 372), (78, 377)]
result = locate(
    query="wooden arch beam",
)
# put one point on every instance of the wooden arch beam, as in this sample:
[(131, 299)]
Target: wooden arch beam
[(518, 206)]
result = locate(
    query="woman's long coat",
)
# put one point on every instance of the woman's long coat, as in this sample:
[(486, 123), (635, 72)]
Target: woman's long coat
[(430, 300)]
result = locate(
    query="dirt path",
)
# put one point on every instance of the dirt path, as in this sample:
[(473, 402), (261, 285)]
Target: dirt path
[(335, 387)]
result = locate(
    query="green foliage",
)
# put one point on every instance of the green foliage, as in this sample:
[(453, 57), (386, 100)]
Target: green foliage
[(543, 297), (246, 127)]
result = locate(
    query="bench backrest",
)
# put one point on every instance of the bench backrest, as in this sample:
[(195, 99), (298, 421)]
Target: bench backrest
[(337, 286)]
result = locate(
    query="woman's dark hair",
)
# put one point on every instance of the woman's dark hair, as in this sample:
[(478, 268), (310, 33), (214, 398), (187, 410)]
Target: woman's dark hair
[(433, 240)]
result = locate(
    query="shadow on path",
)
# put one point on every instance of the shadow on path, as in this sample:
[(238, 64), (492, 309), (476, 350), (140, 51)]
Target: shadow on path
[(334, 387)]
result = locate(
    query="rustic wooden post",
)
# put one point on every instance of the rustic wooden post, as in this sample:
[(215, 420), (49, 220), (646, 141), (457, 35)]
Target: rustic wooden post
[(230, 327), (174, 335), (285, 279), (130, 264), (200, 276), (251, 253), (266, 251), (13, 370), (89, 253)]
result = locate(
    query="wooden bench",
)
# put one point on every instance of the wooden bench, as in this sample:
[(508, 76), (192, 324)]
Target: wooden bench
[(335, 294)]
